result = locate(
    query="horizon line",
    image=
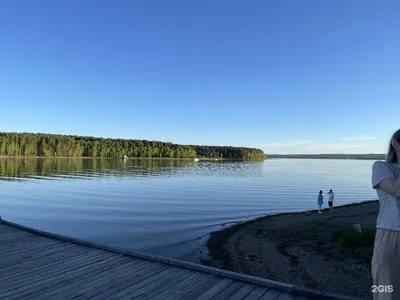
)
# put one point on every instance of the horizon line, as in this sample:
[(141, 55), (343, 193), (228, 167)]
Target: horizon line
[(326, 154)]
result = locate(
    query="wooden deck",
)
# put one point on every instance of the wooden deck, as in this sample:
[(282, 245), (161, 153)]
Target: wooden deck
[(40, 265)]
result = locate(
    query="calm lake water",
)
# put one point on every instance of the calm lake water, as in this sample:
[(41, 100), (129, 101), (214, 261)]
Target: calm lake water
[(167, 207)]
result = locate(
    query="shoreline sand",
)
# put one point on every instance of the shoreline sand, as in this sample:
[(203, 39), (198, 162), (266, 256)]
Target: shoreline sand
[(298, 248)]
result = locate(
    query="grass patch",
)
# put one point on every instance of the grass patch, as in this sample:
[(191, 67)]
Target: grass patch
[(350, 241)]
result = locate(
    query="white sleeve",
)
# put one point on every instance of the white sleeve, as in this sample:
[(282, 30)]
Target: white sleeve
[(380, 172)]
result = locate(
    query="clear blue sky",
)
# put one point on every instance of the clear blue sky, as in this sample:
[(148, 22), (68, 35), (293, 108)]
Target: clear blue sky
[(285, 76)]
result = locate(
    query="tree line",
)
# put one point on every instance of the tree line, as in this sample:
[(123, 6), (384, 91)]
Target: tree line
[(55, 145)]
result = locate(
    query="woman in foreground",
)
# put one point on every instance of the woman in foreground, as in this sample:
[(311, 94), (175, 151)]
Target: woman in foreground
[(386, 257)]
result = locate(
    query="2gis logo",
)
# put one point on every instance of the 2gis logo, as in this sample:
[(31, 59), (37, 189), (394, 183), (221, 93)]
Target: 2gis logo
[(382, 288)]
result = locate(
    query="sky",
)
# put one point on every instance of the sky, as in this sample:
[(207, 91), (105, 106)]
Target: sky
[(306, 76)]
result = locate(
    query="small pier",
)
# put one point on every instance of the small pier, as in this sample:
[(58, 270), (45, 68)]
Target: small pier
[(39, 265)]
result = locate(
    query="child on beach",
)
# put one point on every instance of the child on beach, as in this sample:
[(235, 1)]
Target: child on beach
[(320, 201), (330, 201)]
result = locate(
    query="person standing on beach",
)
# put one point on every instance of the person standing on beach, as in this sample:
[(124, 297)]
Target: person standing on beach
[(385, 265), (320, 201), (331, 198)]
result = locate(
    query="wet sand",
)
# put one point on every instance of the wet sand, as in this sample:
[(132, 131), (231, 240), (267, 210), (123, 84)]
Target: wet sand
[(297, 248)]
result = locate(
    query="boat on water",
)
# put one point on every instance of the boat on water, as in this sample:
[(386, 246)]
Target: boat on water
[(196, 159)]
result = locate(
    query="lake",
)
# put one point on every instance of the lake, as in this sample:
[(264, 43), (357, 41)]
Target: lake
[(167, 207)]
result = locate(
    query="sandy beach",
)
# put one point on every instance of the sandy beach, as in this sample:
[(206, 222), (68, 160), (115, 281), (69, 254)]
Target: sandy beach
[(302, 248)]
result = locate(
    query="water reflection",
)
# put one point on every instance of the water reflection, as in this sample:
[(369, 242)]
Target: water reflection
[(48, 168), (20, 169)]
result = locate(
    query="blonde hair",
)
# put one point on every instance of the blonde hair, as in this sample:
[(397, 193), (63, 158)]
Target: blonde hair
[(392, 154)]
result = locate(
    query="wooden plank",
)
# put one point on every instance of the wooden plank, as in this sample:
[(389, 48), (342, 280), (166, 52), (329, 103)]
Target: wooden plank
[(5, 229), (191, 286), (256, 293), (316, 294), (38, 239), (133, 267), (211, 281), (285, 296), (156, 287), (192, 266), (216, 289), (37, 257), (298, 297), (35, 243), (40, 268), (49, 271), (20, 240), (271, 294), (2, 226), (84, 274), (194, 287), (25, 262), (30, 256), (10, 230), (229, 291), (24, 238), (48, 262), (182, 288), (155, 277), (35, 246), (37, 272), (80, 286), (114, 284), (25, 247), (61, 248), (242, 292), (16, 244), (35, 268), (13, 236), (109, 290), (21, 292), (15, 255)]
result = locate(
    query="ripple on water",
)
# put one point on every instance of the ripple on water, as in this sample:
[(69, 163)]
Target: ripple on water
[(165, 206)]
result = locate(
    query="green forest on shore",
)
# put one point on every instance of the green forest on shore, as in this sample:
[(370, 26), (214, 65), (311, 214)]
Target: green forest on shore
[(55, 145)]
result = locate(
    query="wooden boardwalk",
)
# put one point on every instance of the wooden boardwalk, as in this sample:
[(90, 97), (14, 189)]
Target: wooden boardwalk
[(40, 265)]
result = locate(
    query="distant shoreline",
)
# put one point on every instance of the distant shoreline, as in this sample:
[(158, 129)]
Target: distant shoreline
[(59, 145), (316, 156), (330, 156)]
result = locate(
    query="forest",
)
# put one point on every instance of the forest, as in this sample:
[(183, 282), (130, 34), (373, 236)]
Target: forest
[(55, 145)]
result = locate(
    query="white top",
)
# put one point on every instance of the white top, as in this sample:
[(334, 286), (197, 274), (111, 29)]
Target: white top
[(389, 206), (331, 196)]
